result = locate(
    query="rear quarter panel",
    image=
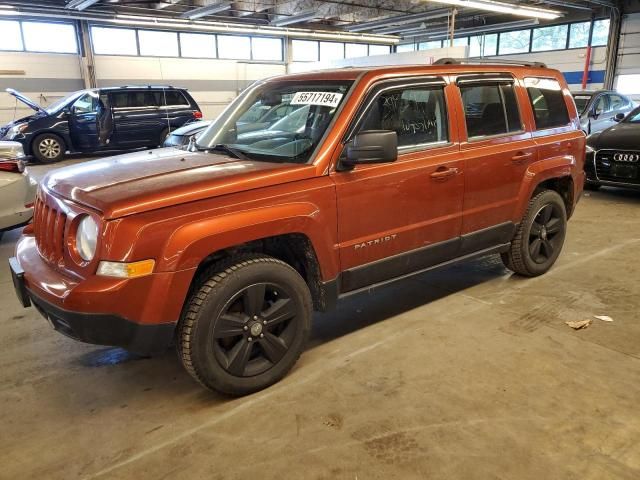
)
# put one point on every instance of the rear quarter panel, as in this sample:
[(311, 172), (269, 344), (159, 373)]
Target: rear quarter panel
[(560, 151)]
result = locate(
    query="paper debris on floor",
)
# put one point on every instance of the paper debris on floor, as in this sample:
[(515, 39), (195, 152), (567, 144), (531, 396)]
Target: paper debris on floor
[(604, 318), (579, 324)]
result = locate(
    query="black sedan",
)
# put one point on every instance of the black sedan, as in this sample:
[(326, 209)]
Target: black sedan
[(613, 155), (183, 135)]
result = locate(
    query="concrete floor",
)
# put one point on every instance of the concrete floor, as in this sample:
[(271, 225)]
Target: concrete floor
[(466, 373)]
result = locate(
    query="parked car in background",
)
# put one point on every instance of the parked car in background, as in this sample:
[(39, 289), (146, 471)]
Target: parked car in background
[(225, 248), (183, 135), (613, 155), (17, 188), (598, 108), (101, 119)]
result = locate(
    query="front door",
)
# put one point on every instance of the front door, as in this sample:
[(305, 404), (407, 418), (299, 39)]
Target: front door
[(404, 216), (600, 118), (83, 122), (497, 152)]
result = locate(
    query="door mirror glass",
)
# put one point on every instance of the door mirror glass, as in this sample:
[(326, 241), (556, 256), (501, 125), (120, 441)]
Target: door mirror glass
[(619, 117), (372, 146)]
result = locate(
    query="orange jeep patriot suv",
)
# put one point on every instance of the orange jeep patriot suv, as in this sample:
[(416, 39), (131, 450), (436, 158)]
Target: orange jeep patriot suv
[(358, 177)]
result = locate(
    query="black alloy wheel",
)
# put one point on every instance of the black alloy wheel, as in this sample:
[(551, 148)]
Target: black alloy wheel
[(543, 235), (255, 329), (245, 324)]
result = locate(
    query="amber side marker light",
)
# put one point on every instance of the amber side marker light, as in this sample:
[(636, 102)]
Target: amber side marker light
[(126, 270)]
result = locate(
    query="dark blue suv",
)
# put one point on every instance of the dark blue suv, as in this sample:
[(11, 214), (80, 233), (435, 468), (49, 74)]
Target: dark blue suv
[(101, 119)]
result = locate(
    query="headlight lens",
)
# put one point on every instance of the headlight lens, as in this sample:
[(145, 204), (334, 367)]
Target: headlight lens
[(16, 130), (87, 238)]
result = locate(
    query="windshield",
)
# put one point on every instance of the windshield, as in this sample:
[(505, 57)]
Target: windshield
[(581, 102), (633, 117), (58, 104), (276, 121)]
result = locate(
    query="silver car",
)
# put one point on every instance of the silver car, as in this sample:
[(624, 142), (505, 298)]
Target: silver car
[(17, 188), (598, 109)]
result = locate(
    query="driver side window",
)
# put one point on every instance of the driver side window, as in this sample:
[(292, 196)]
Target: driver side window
[(416, 113), (85, 104)]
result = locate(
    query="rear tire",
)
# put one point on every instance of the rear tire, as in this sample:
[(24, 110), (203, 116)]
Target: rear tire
[(48, 148), (539, 237), (245, 325)]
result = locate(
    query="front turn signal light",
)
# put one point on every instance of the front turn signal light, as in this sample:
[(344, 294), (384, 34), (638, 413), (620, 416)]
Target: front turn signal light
[(126, 270)]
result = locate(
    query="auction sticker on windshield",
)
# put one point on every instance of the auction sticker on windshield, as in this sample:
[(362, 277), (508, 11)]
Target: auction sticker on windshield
[(324, 99)]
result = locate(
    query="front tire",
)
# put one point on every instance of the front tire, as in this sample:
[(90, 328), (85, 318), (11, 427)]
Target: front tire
[(245, 325), (48, 148), (540, 236)]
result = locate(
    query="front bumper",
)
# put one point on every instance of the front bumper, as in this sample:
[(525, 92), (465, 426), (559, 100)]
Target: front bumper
[(99, 329), (138, 314)]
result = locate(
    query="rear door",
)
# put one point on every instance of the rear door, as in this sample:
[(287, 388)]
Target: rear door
[(137, 118), (399, 217), (497, 149)]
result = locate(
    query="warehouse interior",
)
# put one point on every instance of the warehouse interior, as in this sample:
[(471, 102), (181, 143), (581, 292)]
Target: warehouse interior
[(464, 371)]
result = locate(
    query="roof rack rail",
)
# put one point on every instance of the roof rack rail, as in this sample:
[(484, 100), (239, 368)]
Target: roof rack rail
[(480, 61)]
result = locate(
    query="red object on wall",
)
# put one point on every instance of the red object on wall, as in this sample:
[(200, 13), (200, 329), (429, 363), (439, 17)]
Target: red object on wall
[(587, 62)]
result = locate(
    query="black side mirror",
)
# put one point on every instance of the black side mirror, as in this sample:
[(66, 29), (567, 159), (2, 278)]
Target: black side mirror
[(372, 146), (619, 117)]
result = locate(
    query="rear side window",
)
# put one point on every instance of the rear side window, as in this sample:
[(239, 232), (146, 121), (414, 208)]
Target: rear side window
[(547, 102), (172, 98), (417, 114), (490, 109)]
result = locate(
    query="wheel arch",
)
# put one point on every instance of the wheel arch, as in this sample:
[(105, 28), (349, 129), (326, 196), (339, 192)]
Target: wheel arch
[(293, 233), (555, 174)]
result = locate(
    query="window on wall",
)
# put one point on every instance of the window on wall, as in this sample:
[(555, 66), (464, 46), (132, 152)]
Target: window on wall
[(352, 50), (234, 47), (406, 47), (11, 36), (331, 51), (430, 45), (379, 49), (49, 37), (263, 48), (197, 45), (304, 51), (549, 38), (600, 34), (483, 45), (579, 34), (547, 101), (514, 42), (461, 42), (114, 41), (158, 43), (490, 109)]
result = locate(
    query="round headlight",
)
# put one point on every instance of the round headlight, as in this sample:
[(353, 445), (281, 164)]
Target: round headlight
[(87, 238)]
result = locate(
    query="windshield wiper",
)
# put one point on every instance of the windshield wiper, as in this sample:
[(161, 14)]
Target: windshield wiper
[(221, 147)]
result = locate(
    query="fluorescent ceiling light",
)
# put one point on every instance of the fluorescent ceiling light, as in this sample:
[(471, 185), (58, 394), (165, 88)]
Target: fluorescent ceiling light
[(437, 35), (81, 4), (290, 20), (500, 7), (206, 10)]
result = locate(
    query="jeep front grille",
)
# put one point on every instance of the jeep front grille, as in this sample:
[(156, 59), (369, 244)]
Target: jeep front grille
[(49, 228)]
